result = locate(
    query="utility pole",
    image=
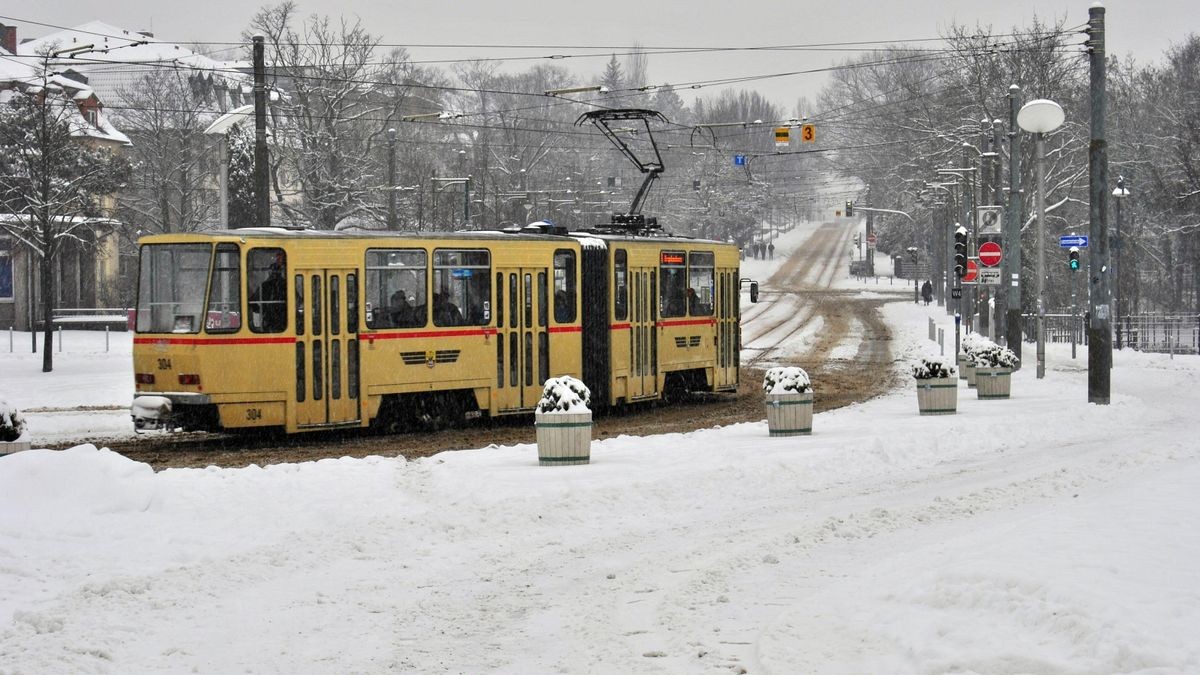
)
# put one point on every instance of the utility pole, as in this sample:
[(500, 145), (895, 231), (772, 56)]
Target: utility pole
[(985, 188), (1100, 323), (968, 192), (998, 200), (391, 179), (1012, 229), (262, 186)]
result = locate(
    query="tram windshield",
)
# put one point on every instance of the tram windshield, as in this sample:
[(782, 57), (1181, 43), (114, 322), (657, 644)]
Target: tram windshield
[(171, 285)]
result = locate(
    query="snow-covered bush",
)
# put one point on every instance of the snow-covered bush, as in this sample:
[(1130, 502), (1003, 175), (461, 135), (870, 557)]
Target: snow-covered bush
[(987, 354), (970, 342), (786, 380), (565, 395), (12, 422), (933, 366)]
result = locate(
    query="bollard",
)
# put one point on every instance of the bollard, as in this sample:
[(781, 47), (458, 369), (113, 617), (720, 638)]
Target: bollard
[(106, 339), (931, 325), (942, 341), (10, 339), (60, 339)]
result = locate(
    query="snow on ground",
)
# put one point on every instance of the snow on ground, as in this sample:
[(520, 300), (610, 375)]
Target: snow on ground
[(1037, 534)]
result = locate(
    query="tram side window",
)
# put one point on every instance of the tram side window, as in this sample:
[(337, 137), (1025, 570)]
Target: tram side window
[(462, 287), (268, 299), (225, 291), (672, 284), (700, 283), (621, 285), (564, 286), (171, 283), (396, 288)]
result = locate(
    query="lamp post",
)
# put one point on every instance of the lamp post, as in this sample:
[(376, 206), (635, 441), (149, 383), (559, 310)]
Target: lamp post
[(1119, 194), (1040, 117)]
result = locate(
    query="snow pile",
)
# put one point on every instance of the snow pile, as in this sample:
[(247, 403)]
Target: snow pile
[(12, 423), (786, 380), (565, 395), (68, 487)]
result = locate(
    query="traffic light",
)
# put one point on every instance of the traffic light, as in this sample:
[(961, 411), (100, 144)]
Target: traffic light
[(849, 209), (960, 252), (1073, 258)]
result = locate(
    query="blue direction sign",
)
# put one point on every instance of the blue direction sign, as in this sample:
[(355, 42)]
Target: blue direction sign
[(1069, 240), (739, 160)]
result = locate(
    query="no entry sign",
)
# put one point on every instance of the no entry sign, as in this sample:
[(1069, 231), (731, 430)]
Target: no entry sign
[(972, 272), (990, 254)]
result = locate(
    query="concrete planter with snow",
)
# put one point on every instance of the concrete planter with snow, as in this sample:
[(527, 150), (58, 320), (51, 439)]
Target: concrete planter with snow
[(564, 423), (789, 401), (993, 382), (12, 430), (937, 386)]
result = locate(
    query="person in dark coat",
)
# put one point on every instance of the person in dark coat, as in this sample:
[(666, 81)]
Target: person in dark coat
[(927, 291)]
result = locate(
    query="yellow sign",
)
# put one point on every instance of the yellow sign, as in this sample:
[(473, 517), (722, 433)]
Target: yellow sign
[(808, 133), (782, 136)]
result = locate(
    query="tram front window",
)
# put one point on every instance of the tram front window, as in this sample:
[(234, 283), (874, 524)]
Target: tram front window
[(171, 283)]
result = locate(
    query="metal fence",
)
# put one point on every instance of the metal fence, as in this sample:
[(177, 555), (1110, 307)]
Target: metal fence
[(1162, 333)]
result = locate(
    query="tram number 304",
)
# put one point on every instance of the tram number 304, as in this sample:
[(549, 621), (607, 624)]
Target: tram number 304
[(254, 414), (164, 364)]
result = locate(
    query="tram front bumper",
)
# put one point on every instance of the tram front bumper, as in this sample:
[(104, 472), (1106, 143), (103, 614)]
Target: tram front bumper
[(151, 412)]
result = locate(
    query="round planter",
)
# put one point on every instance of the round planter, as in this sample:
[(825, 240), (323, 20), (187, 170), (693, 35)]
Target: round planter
[(969, 371), (9, 447), (563, 438), (790, 414), (993, 382), (937, 396)]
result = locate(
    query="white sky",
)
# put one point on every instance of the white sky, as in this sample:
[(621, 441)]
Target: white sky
[(1141, 27)]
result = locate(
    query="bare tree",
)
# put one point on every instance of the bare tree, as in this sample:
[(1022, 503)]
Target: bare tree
[(172, 188), (335, 104), (52, 183)]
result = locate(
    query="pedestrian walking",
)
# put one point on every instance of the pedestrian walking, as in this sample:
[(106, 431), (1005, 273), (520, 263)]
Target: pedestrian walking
[(927, 291)]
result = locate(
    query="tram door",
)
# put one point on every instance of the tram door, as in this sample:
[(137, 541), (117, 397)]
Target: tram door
[(727, 328), (522, 336), (643, 332), (327, 377)]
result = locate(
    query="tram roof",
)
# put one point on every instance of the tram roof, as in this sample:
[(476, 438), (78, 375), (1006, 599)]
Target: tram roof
[(461, 235)]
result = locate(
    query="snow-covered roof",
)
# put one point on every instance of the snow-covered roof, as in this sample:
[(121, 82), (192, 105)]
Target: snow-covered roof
[(13, 67), (119, 58), (31, 82)]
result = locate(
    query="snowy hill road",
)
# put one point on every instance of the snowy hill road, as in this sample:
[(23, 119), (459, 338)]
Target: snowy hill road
[(806, 319)]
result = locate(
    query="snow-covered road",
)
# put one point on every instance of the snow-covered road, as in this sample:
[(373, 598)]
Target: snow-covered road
[(1036, 534)]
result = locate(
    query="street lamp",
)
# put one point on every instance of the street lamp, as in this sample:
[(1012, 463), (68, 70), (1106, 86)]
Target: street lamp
[(1119, 194), (1040, 117)]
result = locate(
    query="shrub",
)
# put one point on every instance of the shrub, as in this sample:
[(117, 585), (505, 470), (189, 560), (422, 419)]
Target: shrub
[(988, 354), (12, 422), (565, 395), (786, 380), (933, 366)]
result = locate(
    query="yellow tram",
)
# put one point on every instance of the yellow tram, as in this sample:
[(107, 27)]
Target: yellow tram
[(309, 330)]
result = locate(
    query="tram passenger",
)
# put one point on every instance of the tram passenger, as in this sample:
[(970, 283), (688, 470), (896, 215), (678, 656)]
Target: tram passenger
[(400, 311), (445, 313), (269, 300)]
